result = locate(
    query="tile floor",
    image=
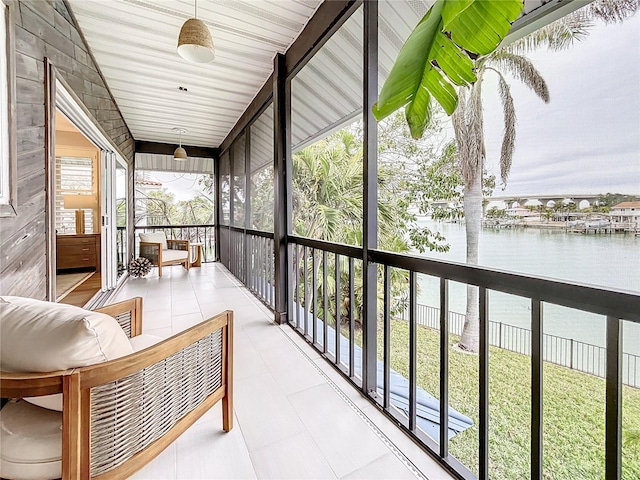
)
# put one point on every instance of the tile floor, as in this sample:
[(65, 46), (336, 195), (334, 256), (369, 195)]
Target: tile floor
[(295, 416)]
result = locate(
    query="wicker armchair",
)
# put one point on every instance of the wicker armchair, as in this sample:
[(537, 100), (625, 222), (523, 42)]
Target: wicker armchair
[(154, 250), (119, 415)]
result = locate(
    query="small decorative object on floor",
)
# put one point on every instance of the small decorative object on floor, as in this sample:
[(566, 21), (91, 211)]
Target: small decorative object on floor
[(139, 267)]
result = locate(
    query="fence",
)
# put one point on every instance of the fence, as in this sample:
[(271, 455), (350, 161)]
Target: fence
[(567, 352), (203, 234)]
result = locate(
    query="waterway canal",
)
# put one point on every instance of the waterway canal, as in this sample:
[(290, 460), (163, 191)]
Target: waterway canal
[(609, 260)]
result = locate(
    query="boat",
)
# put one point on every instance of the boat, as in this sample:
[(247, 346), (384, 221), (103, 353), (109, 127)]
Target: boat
[(598, 224)]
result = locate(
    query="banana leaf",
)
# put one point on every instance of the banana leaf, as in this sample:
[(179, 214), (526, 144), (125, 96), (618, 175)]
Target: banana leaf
[(438, 55)]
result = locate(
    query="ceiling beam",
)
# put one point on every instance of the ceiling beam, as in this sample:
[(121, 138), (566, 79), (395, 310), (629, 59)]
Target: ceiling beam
[(327, 20), (168, 149)]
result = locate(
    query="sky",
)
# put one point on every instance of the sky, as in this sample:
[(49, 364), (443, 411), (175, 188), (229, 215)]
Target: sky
[(586, 140)]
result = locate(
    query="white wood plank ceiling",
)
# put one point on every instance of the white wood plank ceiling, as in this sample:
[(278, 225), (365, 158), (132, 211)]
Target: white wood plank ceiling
[(134, 43)]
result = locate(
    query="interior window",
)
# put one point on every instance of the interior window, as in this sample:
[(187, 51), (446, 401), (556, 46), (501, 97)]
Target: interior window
[(74, 176)]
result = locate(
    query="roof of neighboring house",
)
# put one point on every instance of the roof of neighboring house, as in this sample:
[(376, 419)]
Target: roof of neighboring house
[(142, 181), (627, 205)]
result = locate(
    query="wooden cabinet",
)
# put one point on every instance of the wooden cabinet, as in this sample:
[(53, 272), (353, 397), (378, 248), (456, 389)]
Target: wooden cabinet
[(78, 251)]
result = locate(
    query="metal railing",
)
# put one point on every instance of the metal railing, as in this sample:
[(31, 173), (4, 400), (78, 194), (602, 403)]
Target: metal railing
[(260, 266), (203, 234), (248, 254), (325, 291), (323, 286), (567, 352)]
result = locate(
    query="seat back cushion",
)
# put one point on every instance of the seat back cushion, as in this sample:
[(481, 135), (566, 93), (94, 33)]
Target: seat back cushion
[(157, 237), (38, 336)]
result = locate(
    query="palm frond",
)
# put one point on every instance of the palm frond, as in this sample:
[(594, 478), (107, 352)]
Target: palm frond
[(562, 33), (613, 11), (556, 36), (509, 134), (521, 68)]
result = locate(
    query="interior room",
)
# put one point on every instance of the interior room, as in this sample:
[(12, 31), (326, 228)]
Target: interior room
[(77, 202)]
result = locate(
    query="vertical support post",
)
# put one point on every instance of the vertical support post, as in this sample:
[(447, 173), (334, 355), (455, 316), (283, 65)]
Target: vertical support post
[(613, 412), (444, 368), (352, 302), (281, 185), (247, 204), (232, 154), (314, 294), (305, 289), (295, 297), (386, 339), (484, 387), (325, 301), (338, 302), (370, 200), (218, 190), (536, 389), (413, 352)]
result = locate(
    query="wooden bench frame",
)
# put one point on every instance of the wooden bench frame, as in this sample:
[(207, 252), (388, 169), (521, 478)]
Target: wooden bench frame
[(156, 248)]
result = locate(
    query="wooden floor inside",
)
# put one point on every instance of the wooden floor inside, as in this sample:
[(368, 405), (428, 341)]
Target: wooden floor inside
[(84, 292)]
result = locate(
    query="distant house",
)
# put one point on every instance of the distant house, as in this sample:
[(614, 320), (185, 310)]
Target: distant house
[(524, 213), (626, 212)]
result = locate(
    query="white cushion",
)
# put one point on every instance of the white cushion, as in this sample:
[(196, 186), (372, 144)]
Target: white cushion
[(30, 442), (42, 336), (157, 237), (174, 255)]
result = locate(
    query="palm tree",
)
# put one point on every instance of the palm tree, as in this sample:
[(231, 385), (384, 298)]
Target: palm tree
[(327, 205), (468, 121), (469, 133)]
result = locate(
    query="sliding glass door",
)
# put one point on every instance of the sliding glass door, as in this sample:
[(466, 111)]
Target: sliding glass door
[(114, 219)]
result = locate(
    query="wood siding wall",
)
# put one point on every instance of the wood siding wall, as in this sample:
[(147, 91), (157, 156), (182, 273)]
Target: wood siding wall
[(45, 29)]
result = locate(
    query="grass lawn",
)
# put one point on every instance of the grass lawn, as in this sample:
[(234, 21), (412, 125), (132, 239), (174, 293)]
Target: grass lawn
[(574, 409)]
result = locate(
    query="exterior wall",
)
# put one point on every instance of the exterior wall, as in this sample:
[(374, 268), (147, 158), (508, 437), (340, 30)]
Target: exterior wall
[(45, 29)]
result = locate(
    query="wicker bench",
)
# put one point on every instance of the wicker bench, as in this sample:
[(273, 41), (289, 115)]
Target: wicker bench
[(119, 415)]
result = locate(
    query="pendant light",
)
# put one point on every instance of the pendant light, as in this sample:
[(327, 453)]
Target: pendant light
[(180, 153), (194, 42)]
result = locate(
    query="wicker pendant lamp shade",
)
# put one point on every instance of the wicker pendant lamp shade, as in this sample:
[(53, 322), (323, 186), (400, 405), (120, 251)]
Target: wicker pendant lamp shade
[(194, 42), (180, 153)]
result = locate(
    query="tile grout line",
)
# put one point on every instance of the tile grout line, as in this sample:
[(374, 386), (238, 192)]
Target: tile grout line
[(376, 430)]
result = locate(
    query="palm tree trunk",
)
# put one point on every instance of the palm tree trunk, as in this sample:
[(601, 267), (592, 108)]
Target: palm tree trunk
[(468, 127), (470, 340)]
